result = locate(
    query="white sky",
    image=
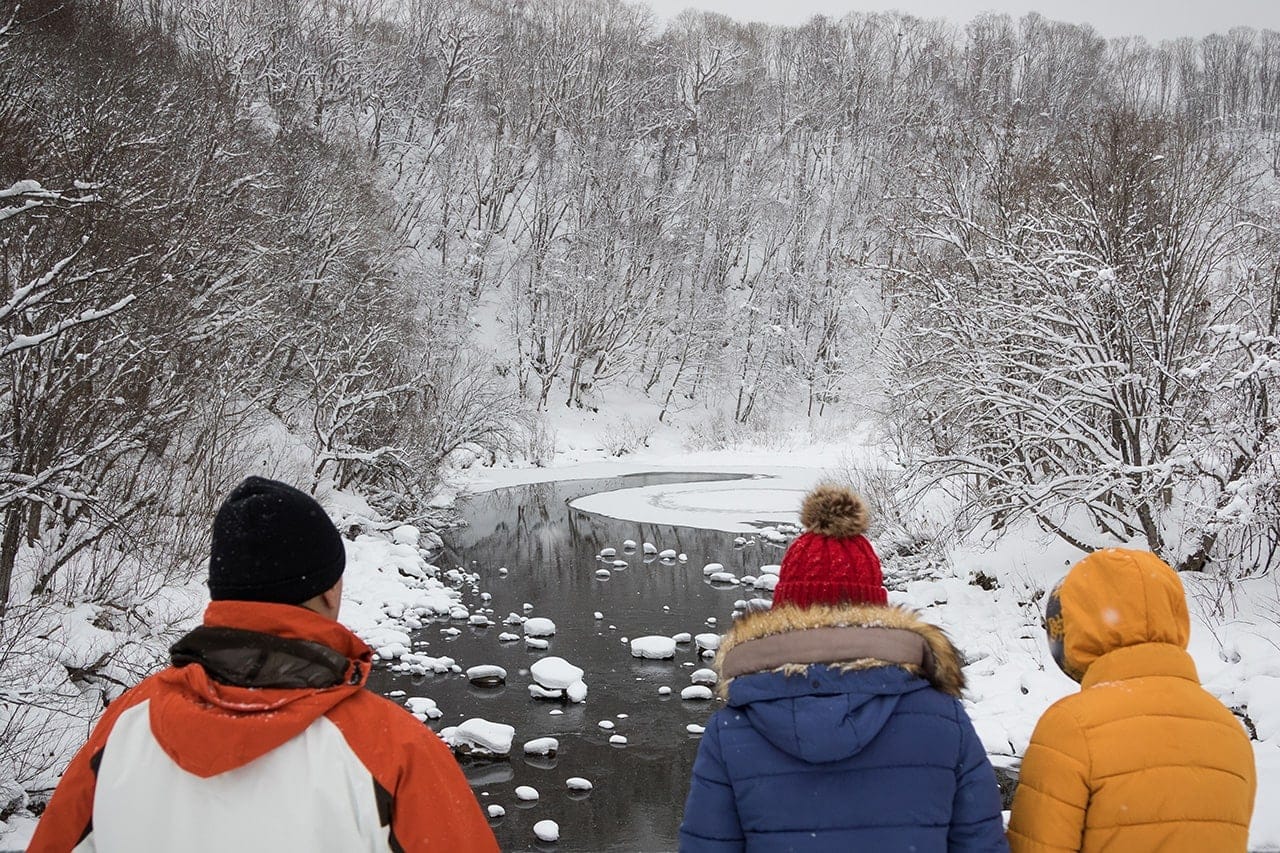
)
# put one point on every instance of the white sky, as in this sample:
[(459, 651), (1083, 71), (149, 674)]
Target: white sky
[(1155, 19)]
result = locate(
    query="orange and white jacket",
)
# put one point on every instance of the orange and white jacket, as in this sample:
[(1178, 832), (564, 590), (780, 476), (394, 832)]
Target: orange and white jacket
[(261, 736)]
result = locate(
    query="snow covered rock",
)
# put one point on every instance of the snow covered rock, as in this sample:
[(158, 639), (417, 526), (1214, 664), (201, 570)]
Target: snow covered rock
[(770, 569), (459, 612), (712, 568), (608, 553), (605, 724), (695, 729), (683, 637), (767, 582), (603, 574), (650, 548), (619, 564), (704, 676), (537, 691), (577, 783), (479, 620), (547, 830), (542, 746), (724, 577), (508, 637), (618, 740), (423, 708), (708, 642), (478, 736), (667, 555), (555, 673), (598, 615), (487, 675), (629, 545), (664, 690), (576, 692), (536, 643), (539, 627), (696, 692), (653, 648), (496, 811), (527, 794)]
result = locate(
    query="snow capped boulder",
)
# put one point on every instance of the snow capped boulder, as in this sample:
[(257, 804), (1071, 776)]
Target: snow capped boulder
[(712, 568), (770, 569), (653, 648), (479, 620), (618, 740), (650, 548), (708, 642), (667, 555), (539, 627), (605, 724), (767, 582), (695, 729), (496, 811), (526, 794), (576, 692), (608, 553), (577, 783), (542, 746), (684, 558), (603, 574), (536, 643), (724, 577), (664, 690), (555, 673), (547, 830), (629, 545), (619, 564), (459, 612), (696, 692), (508, 637), (487, 675), (513, 619), (478, 736), (707, 677), (598, 615), (423, 708), (683, 637)]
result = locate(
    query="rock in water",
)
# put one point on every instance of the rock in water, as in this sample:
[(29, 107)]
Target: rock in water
[(547, 830), (487, 676), (653, 648)]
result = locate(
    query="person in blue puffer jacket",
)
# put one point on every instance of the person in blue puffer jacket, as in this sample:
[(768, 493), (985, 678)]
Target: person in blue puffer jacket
[(843, 728)]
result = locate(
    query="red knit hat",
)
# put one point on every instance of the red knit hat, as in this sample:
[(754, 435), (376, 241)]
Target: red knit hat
[(833, 563)]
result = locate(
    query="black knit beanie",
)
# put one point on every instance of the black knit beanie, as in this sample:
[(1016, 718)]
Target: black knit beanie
[(272, 542)]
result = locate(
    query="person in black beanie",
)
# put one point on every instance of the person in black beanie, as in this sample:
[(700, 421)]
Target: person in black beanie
[(260, 735), (272, 542)]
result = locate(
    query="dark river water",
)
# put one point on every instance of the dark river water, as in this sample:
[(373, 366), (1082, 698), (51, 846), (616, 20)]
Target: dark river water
[(549, 551)]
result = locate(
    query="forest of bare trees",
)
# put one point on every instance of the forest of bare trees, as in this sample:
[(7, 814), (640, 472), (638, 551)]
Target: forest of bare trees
[(378, 231)]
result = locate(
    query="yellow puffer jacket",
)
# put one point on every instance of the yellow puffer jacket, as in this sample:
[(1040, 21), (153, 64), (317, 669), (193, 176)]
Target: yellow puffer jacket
[(1142, 758)]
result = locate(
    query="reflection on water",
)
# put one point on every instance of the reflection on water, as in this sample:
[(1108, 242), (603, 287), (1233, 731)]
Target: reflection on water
[(549, 551)]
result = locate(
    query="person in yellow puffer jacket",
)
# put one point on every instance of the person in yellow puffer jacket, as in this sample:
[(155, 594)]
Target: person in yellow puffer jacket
[(1142, 758)]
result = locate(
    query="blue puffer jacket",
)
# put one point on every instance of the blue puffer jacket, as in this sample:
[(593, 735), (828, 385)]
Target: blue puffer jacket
[(842, 756)]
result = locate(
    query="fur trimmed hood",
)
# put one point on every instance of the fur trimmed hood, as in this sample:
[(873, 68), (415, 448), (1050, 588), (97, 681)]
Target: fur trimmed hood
[(941, 663)]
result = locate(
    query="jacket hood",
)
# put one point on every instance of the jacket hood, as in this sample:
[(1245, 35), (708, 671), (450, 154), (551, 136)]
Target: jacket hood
[(824, 711), (252, 677), (1113, 599)]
